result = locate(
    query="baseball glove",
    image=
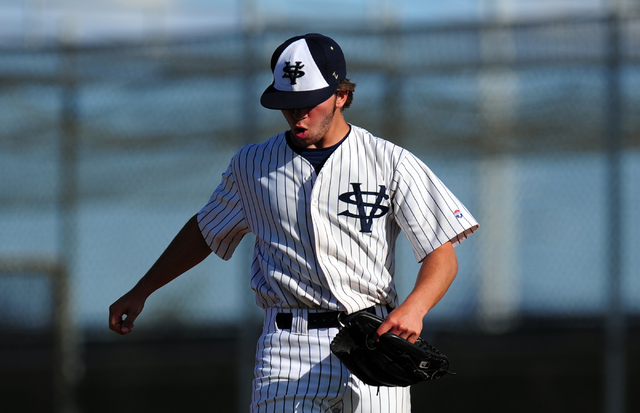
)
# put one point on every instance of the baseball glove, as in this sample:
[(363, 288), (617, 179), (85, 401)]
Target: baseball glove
[(390, 361)]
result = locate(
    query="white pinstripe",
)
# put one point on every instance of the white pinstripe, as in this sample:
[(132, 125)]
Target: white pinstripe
[(296, 372), (312, 249)]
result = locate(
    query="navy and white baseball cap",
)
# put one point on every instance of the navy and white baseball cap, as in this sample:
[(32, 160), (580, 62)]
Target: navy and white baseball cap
[(306, 71)]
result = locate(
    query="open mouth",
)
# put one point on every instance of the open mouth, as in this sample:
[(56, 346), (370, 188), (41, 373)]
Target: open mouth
[(300, 132)]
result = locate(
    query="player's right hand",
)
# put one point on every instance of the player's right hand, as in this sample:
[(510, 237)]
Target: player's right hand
[(124, 312)]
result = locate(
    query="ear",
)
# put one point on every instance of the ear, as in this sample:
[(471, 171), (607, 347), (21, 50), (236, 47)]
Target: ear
[(341, 98)]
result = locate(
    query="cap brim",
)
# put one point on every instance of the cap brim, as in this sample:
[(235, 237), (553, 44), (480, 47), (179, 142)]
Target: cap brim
[(273, 98)]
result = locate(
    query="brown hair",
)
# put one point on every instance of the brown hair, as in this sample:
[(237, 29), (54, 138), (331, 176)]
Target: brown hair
[(346, 85)]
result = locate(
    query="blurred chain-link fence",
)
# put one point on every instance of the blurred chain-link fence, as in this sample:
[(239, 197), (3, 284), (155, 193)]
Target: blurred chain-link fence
[(106, 151)]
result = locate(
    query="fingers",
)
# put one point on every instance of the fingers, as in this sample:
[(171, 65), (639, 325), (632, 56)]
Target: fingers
[(400, 331), (408, 329), (121, 324), (385, 327), (127, 325), (117, 319), (122, 314)]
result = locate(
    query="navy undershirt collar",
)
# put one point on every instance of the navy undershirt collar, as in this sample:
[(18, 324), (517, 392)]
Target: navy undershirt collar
[(316, 156)]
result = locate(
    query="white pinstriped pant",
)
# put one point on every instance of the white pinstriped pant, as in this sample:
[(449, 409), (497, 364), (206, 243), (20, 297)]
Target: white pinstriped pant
[(296, 372)]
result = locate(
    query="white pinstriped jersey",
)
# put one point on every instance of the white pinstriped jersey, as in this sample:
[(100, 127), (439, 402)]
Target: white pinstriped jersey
[(327, 240)]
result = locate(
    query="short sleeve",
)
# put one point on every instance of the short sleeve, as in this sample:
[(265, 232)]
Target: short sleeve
[(426, 210), (222, 221)]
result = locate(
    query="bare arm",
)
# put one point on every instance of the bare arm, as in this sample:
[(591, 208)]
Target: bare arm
[(435, 276), (187, 250)]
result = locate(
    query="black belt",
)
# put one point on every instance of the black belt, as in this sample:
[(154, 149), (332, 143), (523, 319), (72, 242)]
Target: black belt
[(325, 319)]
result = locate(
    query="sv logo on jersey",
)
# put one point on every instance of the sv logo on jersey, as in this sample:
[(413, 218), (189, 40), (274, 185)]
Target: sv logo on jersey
[(367, 211), (293, 72)]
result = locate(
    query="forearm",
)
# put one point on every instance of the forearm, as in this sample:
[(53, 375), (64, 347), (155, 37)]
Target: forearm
[(187, 250), (435, 276), (437, 272)]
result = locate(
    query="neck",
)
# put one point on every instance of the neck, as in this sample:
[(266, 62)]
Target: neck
[(338, 130)]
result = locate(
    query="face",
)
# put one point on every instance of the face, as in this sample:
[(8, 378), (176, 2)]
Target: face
[(313, 127)]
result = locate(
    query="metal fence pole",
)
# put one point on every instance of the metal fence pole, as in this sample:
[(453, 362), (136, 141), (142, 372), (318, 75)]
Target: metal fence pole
[(67, 343), (499, 293), (614, 368), (247, 335)]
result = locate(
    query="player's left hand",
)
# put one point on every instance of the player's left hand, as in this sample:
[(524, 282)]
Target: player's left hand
[(403, 322)]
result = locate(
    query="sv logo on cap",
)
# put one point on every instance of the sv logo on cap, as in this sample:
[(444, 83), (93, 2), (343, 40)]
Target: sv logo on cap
[(293, 71)]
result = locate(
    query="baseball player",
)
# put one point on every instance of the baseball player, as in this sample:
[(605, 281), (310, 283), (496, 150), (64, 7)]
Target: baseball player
[(325, 201)]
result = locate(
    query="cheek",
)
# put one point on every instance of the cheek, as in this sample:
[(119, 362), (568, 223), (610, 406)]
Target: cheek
[(287, 117), (320, 117)]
